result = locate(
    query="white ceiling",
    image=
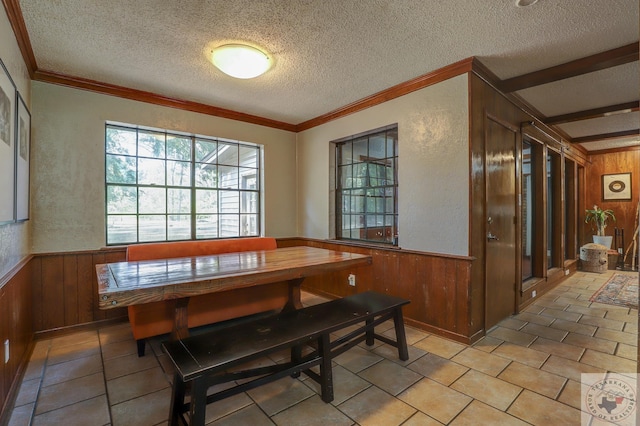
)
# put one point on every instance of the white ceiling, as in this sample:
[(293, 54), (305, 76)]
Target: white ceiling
[(330, 53)]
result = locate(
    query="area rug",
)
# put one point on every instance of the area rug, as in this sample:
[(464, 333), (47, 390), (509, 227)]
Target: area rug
[(620, 290)]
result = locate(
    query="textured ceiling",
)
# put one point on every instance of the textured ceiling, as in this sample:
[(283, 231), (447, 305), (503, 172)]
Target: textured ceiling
[(330, 53)]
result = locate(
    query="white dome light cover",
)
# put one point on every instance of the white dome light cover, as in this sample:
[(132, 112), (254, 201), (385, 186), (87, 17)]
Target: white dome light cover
[(240, 61)]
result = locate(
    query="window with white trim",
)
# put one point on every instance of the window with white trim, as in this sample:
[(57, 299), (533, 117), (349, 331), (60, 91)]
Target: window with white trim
[(170, 186)]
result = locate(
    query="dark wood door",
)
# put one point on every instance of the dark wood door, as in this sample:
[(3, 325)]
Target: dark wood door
[(500, 178)]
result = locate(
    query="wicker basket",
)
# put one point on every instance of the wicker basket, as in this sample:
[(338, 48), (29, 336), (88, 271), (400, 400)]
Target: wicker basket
[(594, 258)]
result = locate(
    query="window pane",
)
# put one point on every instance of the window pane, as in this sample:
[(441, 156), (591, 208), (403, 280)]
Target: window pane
[(206, 151), (248, 179), (153, 227), (249, 156), (120, 169), (345, 154), (178, 173), (121, 199), (228, 177), (206, 201), (178, 148), (206, 176), (120, 141), (152, 200), (151, 144), (360, 150), (207, 226), (178, 200), (229, 201), (151, 172), (377, 146), (179, 227), (391, 137), (249, 202), (346, 177), (228, 154), (229, 225), (122, 229), (249, 225)]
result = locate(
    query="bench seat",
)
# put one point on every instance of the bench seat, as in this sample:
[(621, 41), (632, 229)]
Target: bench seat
[(216, 357), (156, 318)]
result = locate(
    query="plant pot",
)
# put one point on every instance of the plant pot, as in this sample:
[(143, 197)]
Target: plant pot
[(604, 240)]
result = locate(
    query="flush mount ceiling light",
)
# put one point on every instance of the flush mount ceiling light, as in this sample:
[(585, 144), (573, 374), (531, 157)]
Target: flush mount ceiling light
[(240, 61), (523, 3)]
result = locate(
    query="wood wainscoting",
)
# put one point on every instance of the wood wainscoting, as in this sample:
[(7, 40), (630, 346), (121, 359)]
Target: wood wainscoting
[(16, 328), (439, 286)]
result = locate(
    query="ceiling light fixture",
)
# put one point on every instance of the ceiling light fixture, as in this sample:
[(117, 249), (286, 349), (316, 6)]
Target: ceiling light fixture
[(523, 3), (240, 60)]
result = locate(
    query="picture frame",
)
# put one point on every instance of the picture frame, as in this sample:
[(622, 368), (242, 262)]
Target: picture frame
[(7, 146), (23, 155), (616, 186)]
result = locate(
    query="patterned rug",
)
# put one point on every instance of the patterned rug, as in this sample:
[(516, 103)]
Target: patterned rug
[(620, 290)]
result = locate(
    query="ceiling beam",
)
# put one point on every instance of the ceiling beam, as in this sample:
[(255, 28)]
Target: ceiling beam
[(606, 136), (594, 113), (610, 58)]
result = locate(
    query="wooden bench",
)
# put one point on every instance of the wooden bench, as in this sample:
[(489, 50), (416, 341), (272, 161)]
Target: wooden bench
[(156, 318), (216, 357)]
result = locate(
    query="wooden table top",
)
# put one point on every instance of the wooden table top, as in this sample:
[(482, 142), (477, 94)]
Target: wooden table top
[(131, 283)]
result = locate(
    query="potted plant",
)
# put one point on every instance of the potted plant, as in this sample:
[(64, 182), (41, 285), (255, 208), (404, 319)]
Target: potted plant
[(599, 217)]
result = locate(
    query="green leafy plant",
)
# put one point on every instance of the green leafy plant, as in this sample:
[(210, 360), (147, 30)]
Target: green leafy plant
[(599, 218)]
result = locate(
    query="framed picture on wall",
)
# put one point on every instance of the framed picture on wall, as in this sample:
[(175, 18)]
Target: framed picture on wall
[(7, 145), (23, 152), (616, 186)]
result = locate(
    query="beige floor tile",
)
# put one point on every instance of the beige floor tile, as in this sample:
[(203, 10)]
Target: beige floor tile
[(227, 406), (627, 351), (75, 339), (150, 409), (513, 323), (58, 354), (390, 411), (91, 412), (583, 307), (439, 369), (421, 419), (546, 332), (539, 410), (28, 392), (630, 327), (478, 413), (137, 384), (391, 353), (588, 342), (357, 359), (487, 344), (435, 400), (251, 415), (572, 394), (622, 314), (557, 313), (574, 327), (602, 322), (563, 350), (390, 377), (118, 349), (279, 395), (539, 381), (617, 336), (534, 318), (609, 362), (568, 368), (440, 346), (117, 367), (521, 354), (494, 392), (413, 334), (72, 370), (513, 336), (21, 415), (313, 412), (345, 384), (481, 361), (70, 392)]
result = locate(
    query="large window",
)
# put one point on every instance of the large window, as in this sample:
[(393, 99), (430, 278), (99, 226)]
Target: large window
[(367, 187), (163, 186)]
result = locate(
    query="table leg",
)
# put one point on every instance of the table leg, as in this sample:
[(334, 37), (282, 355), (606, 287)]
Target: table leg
[(294, 302), (180, 319)]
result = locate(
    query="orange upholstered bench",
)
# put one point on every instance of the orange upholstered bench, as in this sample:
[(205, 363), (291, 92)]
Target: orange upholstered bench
[(153, 319)]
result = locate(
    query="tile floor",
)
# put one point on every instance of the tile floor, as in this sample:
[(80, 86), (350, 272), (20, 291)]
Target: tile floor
[(525, 371)]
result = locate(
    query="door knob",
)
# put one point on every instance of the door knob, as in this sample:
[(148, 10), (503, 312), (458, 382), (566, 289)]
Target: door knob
[(490, 237)]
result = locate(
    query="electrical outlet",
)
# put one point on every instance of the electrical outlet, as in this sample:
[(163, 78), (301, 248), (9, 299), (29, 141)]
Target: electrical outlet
[(566, 272), (533, 293), (352, 280), (6, 351)]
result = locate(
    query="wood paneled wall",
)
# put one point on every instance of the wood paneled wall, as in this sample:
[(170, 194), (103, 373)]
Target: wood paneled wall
[(64, 289), (625, 211), (16, 327), (437, 285)]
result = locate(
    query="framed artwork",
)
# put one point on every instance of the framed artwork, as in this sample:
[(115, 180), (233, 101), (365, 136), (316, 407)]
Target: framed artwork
[(7, 145), (616, 186), (23, 153)]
